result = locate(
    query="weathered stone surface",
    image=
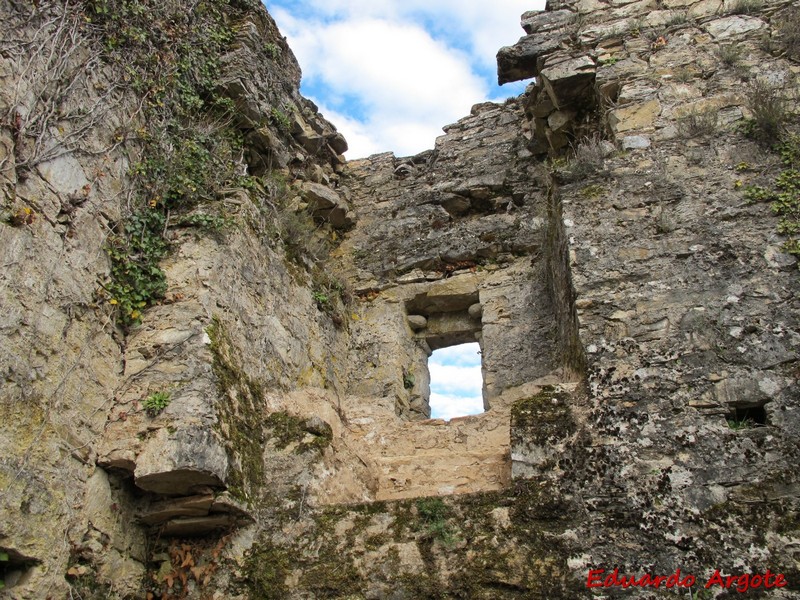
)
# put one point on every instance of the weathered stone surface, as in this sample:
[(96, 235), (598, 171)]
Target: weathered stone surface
[(417, 322), (568, 82), (476, 310), (338, 143), (523, 60), (187, 506), (328, 205), (635, 117), (560, 120), (539, 22), (635, 142), (736, 25), (320, 197), (455, 204), (642, 277), (198, 526)]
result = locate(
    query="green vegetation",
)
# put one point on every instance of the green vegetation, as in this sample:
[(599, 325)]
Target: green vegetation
[(737, 425), (589, 157), (789, 32), (683, 75), (729, 54), (204, 221), (784, 195), (156, 402), (677, 17), (188, 152), (408, 379), (266, 571), (593, 191), (281, 120), (286, 429), (746, 7), (272, 50), (136, 279), (698, 124), (433, 514), (322, 300), (664, 223), (330, 294), (770, 112)]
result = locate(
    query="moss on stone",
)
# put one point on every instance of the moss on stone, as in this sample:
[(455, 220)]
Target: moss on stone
[(523, 558), (332, 577), (285, 429), (543, 417), (266, 570), (239, 415)]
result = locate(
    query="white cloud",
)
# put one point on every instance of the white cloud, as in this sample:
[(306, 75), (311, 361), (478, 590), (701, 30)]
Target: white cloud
[(448, 379), (463, 355), (456, 382), (406, 84), (397, 72), (448, 407)]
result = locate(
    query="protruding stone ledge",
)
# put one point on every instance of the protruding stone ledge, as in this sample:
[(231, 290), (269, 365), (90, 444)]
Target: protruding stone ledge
[(524, 59), (177, 464), (569, 82), (195, 515), (328, 205)]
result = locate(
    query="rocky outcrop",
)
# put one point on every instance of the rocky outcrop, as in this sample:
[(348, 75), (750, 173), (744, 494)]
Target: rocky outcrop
[(85, 390), (248, 418)]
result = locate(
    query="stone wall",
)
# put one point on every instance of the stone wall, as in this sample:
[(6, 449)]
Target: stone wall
[(671, 265), (76, 378), (637, 316)]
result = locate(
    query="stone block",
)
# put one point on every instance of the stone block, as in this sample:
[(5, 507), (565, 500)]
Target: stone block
[(475, 311), (523, 59), (634, 117), (319, 196), (179, 463), (569, 83), (417, 322), (733, 26)]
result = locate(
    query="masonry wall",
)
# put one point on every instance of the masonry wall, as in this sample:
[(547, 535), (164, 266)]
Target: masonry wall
[(634, 309)]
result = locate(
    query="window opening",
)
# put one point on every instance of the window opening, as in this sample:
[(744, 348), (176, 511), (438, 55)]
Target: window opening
[(747, 417), (456, 381)]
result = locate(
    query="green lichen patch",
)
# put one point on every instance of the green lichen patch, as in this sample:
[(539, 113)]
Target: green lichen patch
[(285, 429), (266, 571), (239, 415), (343, 551), (544, 417)]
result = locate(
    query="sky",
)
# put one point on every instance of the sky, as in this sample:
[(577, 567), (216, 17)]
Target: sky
[(456, 381), (389, 74)]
